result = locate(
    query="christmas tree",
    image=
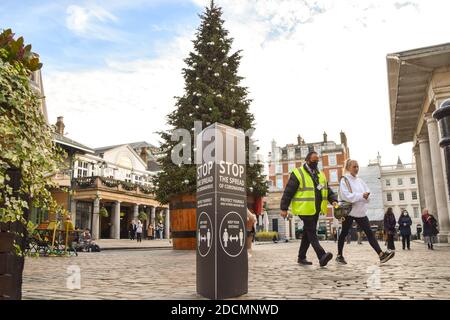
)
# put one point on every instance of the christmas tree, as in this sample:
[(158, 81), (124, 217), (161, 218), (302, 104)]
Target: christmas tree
[(212, 94)]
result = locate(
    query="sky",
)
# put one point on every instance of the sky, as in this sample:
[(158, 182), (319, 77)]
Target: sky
[(113, 67)]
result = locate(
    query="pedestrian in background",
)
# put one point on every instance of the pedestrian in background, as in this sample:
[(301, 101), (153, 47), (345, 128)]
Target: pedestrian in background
[(389, 228), (430, 229), (132, 230), (404, 224), (139, 228), (150, 231), (250, 226)]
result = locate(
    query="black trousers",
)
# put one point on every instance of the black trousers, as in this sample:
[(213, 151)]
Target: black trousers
[(406, 239), (390, 242), (310, 237), (139, 236), (364, 225)]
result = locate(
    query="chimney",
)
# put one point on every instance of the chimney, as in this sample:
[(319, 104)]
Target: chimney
[(343, 138), (60, 125), (325, 137), (144, 154)]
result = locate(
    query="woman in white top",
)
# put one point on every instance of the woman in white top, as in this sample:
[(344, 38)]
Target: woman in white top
[(139, 228), (353, 189)]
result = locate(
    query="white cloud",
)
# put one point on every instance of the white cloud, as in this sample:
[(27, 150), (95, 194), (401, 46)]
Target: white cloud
[(123, 102), (311, 66), (90, 22), (314, 66)]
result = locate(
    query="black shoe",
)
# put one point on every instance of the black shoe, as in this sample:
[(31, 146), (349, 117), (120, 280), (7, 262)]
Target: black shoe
[(409, 248), (304, 262), (386, 256), (325, 258), (341, 260)]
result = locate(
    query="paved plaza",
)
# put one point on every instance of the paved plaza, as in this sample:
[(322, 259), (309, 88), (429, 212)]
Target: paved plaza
[(273, 274)]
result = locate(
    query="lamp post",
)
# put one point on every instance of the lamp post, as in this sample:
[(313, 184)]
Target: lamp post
[(442, 115)]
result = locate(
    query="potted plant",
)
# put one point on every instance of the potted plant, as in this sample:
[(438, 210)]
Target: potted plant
[(28, 156)]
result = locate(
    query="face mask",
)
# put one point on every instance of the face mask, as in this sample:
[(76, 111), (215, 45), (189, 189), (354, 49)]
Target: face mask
[(313, 165)]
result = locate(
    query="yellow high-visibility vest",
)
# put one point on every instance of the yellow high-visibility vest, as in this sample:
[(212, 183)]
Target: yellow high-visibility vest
[(304, 201)]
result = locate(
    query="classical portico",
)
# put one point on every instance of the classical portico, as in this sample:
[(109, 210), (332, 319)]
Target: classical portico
[(124, 203), (419, 82)]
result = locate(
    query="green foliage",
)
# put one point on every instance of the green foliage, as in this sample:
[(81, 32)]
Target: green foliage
[(17, 53), (103, 212), (26, 142), (142, 216), (212, 94)]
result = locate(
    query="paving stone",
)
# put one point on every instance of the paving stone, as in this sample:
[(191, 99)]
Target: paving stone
[(273, 274)]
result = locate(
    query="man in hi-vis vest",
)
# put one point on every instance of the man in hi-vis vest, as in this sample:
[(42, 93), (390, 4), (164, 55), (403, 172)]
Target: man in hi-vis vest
[(308, 194)]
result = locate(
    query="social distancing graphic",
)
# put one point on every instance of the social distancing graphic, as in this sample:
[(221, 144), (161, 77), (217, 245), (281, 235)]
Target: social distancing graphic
[(204, 234), (231, 231)]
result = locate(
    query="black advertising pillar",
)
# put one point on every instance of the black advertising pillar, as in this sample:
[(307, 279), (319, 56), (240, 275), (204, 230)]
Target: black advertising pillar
[(443, 116), (222, 262)]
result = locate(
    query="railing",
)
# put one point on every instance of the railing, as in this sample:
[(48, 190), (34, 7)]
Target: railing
[(110, 184)]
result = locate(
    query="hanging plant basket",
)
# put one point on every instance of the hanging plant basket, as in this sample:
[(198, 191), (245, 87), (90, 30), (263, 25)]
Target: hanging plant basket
[(103, 212), (142, 216)]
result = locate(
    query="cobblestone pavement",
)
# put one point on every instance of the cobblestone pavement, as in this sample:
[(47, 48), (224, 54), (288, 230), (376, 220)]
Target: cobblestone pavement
[(273, 274)]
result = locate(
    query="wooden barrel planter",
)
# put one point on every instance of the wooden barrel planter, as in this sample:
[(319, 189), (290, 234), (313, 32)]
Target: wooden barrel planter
[(183, 222)]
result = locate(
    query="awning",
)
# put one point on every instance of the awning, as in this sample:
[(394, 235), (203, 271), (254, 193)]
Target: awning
[(409, 73)]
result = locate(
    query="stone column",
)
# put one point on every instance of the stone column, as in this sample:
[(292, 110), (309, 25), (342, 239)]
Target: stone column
[(96, 219), (153, 217), (116, 222), (148, 211), (73, 211), (438, 179), (416, 152), (427, 174), (136, 212), (167, 224)]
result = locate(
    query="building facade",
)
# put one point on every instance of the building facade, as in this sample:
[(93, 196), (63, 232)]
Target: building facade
[(401, 191), (115, 178), (419, 84), (282, 160)]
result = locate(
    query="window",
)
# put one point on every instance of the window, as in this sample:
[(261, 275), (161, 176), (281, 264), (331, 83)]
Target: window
[(128, 177), (291, 166), (413, 180), (304, 152), (388, 182), (333, 176), (82, 170), (401, 196), (277, 154), (291, 154), (332, 160), (279, 168), (280, 183), (400, 181), (414, 195), (389, 196), (416, 212)]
